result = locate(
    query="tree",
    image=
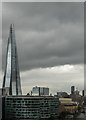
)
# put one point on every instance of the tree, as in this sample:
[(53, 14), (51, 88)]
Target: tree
[(64, 114), (52, 117)]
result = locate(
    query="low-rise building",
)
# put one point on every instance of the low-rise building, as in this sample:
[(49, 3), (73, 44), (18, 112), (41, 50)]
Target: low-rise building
[(68, 105), (30, 107), (62, 95)]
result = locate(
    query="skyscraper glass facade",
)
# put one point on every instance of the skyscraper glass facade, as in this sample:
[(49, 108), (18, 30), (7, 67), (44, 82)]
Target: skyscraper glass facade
[(11, 83)]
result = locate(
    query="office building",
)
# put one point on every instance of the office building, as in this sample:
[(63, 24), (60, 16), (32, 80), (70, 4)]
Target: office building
[(11, 82), (33, 107), (72, 89), (40, 91), (35, 91), (83, 93)]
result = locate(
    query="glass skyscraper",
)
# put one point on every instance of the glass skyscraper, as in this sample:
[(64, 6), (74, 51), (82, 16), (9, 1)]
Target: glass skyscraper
[(11, 82)]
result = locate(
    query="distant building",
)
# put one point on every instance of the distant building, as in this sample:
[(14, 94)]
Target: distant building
[(0, 91), (35, 91), (40, 91), (66, 104), (62, 95), (72, 89), (85, 100), (83, 93), (33, 107), (76, 92)]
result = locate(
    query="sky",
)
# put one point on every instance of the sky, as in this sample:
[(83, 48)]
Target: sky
[(50, 43), (43, 0)]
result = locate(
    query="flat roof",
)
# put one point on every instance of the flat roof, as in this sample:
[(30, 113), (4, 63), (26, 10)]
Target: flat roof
[(26, 96)]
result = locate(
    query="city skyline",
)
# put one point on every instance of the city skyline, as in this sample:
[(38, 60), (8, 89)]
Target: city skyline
[(50, 43)]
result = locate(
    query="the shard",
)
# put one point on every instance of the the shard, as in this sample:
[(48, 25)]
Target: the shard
[(11, 82)]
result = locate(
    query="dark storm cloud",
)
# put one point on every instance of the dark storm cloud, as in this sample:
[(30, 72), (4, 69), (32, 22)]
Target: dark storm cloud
[(47, 34)]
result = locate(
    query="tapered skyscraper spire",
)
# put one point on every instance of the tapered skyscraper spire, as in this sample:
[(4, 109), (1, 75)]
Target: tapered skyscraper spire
[(11, 83)]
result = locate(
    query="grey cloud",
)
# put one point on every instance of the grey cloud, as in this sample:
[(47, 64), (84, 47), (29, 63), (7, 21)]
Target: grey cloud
[(47, 34)]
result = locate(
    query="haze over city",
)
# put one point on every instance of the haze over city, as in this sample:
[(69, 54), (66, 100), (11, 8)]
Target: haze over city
[(50, 43)]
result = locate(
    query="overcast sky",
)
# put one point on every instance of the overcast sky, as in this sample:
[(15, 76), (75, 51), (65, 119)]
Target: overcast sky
[(50, 43), (43, 0)]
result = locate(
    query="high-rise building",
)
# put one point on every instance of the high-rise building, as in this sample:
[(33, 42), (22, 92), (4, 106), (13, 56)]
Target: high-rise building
[(40, 91), (11, 83), (83, 93), (44, 91), (72, 89)]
